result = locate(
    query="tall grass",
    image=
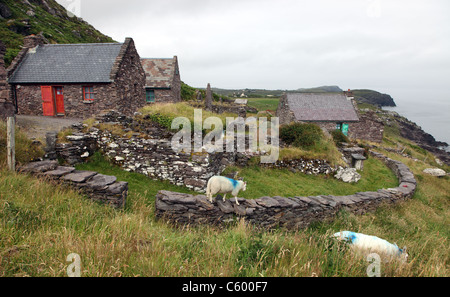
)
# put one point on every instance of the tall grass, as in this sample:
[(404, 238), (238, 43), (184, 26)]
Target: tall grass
[(25, 150), (41, 223)]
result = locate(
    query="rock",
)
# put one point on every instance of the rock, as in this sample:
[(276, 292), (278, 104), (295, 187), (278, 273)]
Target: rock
[(59, 171), (79, 176), (435, 172), (348, 175), (39, 167), (101, 181)]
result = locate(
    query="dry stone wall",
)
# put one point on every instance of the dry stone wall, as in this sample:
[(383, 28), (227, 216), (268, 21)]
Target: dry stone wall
[(291, 212), (149, 152), (98, 187)]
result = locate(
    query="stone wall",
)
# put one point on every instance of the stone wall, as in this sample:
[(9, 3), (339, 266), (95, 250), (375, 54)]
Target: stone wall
[(291, 213), (98, 187), (6, 105), (129, 80), (144, 147), (369, 127)]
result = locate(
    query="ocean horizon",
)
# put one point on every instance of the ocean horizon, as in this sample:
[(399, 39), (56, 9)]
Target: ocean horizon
[(430, 109)]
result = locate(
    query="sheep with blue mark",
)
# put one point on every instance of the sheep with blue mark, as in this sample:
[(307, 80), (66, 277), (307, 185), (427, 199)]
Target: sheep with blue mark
[(372, 244), (224, 185)]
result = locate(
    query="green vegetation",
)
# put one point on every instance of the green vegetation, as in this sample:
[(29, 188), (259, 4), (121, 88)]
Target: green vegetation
[(187, 92), (373, 98), (339, 137), (26, 150), (263, 104), (164, 113), (282, 182), (52, 21), (301, 135), (42, 223)]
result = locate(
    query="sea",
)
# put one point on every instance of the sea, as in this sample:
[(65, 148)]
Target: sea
[(428, 108)]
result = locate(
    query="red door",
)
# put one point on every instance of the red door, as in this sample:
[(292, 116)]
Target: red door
[(59, 99), (48, 106)]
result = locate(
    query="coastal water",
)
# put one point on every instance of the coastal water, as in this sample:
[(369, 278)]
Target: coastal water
[(430, 109)]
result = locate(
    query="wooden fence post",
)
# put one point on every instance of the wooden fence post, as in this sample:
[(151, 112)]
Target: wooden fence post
[(11, 143)]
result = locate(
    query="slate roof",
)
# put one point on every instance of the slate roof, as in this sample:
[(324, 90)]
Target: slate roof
[(67, 63), (159, 72), (322, 107)]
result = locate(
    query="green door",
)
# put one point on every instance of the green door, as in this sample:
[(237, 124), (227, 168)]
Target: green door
[(150, 96), (345, 129)]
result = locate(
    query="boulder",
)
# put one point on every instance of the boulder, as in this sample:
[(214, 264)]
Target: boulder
[(435, 172), (348, 175)]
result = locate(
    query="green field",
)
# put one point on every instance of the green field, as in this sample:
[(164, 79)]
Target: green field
[(262, 104)]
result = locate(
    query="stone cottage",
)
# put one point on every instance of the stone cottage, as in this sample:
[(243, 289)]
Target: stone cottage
[(330, 111), (163, 82), (76, 80)]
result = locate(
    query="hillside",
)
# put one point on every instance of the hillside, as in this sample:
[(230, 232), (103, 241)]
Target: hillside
[(362, 96), (19, 18), (373, 97)]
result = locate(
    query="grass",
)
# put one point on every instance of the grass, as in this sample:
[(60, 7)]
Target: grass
[(41, 223), (263, 104), (26, 150), (174, 110), (282, 182)]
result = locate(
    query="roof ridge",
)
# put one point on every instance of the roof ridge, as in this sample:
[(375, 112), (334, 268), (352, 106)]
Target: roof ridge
[(84, 44)]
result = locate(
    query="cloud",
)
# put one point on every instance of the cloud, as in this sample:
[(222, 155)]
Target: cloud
[(287, 44)]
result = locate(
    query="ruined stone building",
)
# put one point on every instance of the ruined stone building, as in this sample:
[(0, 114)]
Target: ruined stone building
[(330, 111), (163, 82), (76, 80)]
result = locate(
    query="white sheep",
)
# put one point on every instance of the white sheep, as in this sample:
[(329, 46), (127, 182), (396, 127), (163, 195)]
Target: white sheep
[(372, 244), (224, 185)]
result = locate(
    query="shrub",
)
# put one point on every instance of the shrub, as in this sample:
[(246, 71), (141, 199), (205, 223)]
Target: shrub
[(187, 92), (339, 137), (301, 135)]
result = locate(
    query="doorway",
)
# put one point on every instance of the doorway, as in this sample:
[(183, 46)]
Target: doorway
[(52, 100)]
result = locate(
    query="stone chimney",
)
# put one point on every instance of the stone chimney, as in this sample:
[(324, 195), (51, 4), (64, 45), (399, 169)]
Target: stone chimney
[(32, 41)]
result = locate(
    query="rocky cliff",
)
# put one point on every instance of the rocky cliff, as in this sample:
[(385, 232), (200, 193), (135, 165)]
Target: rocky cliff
[(19, 18)]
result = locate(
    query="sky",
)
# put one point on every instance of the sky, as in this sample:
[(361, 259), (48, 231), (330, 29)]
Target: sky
[(286, 44)]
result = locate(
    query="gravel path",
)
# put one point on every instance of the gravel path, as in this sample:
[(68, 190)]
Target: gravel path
[(37, 126)]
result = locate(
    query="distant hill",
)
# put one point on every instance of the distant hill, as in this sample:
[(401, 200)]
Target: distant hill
[(261, 93), (373, 97), (320, 89), (19, 18)]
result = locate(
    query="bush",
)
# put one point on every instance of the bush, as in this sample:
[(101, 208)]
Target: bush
[(339, 137), (301, 135), (187, 92)]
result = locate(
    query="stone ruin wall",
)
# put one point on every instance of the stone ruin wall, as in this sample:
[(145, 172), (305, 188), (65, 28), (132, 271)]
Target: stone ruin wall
[(153, 156), (291, 212)]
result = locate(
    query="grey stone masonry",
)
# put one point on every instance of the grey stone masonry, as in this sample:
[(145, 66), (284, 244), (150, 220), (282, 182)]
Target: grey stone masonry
[(289, 212), (98, 187)]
